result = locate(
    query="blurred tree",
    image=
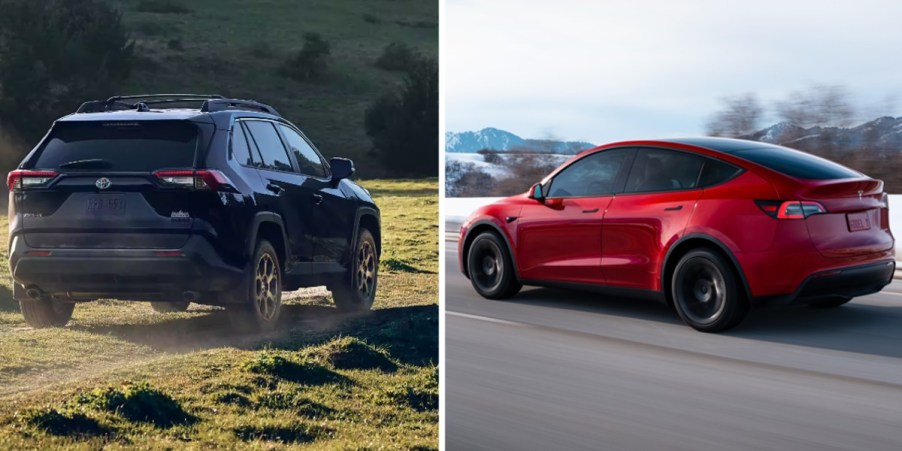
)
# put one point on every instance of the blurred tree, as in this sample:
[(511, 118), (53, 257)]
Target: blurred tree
[(54, 54), (819, 106), (740, 117), (403, 126)]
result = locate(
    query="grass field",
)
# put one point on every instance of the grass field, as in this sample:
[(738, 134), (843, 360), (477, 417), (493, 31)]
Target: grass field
[(235, 48), (121, 375)]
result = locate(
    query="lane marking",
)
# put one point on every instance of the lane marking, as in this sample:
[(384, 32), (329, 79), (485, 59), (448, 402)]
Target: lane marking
[(483, 318)]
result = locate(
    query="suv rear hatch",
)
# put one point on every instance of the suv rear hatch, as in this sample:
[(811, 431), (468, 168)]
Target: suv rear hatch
[(95, 186), (856, 221)]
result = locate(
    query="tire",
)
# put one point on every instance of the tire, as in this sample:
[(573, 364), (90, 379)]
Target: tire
[(706, 292), (830, 303), (491, 268), (169, 307), (46, 312), (259, 301), (357, 289)]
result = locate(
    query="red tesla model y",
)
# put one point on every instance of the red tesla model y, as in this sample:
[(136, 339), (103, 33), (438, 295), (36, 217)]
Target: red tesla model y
[(712, 226)]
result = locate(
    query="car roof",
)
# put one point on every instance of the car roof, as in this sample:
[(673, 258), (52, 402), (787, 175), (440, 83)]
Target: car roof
[(723, 145)]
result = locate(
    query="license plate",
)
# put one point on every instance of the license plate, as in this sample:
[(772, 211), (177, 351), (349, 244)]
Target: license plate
[(106, 205), (858, 221)]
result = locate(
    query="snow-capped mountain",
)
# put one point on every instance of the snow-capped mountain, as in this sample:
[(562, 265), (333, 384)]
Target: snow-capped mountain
[(500, 140), (883, 133)]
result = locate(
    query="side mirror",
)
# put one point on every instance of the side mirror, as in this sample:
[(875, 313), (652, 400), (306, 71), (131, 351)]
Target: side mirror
[(536, 193), (342, 168)]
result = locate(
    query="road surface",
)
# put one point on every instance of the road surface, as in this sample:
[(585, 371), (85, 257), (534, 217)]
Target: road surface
[(552, 369)]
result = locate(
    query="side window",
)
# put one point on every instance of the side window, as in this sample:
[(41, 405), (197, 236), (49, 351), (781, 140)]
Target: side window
[(309, 161), (270, 145), (240, 150), (715, 172), (594, 175), (663, 170)]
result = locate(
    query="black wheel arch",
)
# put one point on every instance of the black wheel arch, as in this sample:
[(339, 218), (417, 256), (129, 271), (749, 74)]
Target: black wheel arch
[(369, 218), (487, 226), (688, 243), (269, 221)]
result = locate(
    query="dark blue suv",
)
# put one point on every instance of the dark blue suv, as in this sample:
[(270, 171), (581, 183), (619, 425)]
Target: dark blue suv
[(152, 198)]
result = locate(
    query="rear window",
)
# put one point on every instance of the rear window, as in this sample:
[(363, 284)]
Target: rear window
[(715, 172), (132, 146), (795, 163)]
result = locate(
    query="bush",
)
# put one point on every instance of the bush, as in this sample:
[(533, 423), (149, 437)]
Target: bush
[(311, 61), (490, 156), (403, 126), (396, 56), (55, 54)]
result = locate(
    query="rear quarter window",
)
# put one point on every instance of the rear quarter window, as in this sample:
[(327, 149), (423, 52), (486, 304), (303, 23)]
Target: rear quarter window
[(131, 147), (795, 163)]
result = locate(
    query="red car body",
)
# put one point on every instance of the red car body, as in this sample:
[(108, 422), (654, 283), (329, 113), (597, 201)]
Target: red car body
[(788, 237)]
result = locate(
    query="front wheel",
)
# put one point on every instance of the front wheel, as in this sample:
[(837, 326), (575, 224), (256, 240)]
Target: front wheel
[(260, 300), (491, 268), (357, 290), (706, 292)]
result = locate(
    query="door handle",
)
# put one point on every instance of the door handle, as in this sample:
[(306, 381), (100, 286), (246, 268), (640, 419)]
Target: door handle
[(591, 211), (677, 208), (275, 188), (317, 199)]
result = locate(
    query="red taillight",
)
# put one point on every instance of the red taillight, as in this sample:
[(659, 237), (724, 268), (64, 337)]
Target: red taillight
[(38, 253), (790, 209), (202, 179), (169, 253), (884, 212), (25, 178)]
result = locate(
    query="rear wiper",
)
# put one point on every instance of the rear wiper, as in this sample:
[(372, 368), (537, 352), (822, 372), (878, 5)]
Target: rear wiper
[(93, 163)]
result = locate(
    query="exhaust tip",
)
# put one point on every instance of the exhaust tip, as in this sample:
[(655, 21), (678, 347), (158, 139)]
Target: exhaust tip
[(190, 296), (33, 293)]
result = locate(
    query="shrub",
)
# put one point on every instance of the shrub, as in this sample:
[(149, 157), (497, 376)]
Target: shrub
[(403, 126), (55, 54), (311, 61), (396, 56)]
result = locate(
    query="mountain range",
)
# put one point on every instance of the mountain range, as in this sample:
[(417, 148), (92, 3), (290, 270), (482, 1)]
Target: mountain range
[(501, 140)]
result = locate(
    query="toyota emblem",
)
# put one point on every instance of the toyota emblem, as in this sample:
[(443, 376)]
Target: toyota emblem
[(102, 183)]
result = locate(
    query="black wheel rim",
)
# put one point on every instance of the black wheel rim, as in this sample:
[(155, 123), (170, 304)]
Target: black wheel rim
[(486, 265), (267, 290), (701, 290), (366, 270)]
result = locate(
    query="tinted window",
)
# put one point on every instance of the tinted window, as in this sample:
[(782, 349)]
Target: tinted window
[(132, 146), (240, 149), (593, 175), (309, 161), (715, 172), (795, 163), (270, 145), (663, 170)]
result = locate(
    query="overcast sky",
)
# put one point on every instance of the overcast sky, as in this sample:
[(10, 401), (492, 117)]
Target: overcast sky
[(609, 70)]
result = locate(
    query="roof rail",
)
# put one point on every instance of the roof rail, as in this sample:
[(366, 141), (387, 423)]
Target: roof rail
[(212, 103), (237, 104)]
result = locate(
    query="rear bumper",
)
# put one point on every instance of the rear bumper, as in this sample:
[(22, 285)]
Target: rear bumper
[(845, 282), (140, 274)]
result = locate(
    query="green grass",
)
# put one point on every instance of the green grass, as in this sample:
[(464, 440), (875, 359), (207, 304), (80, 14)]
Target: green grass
[(235, 48), (120, 375)]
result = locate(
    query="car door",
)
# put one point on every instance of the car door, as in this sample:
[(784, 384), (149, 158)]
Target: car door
[(284, 193), (651, 213), (559, 239), (332, 216)]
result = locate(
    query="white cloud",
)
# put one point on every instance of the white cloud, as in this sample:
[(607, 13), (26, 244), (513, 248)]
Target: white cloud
[(609, 70)]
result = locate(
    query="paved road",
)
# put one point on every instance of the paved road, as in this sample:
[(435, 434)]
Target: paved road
[(552, 369)]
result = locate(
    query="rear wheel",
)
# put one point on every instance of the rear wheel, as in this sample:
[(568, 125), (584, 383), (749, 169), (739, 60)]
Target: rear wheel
[(830, 303), (46, 312), (706, 292), (260, 300), (491, 268), (169, 307), (357, 290)]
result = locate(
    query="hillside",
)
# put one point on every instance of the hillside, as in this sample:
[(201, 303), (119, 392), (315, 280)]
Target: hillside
[(501, 140), (235, 48)]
